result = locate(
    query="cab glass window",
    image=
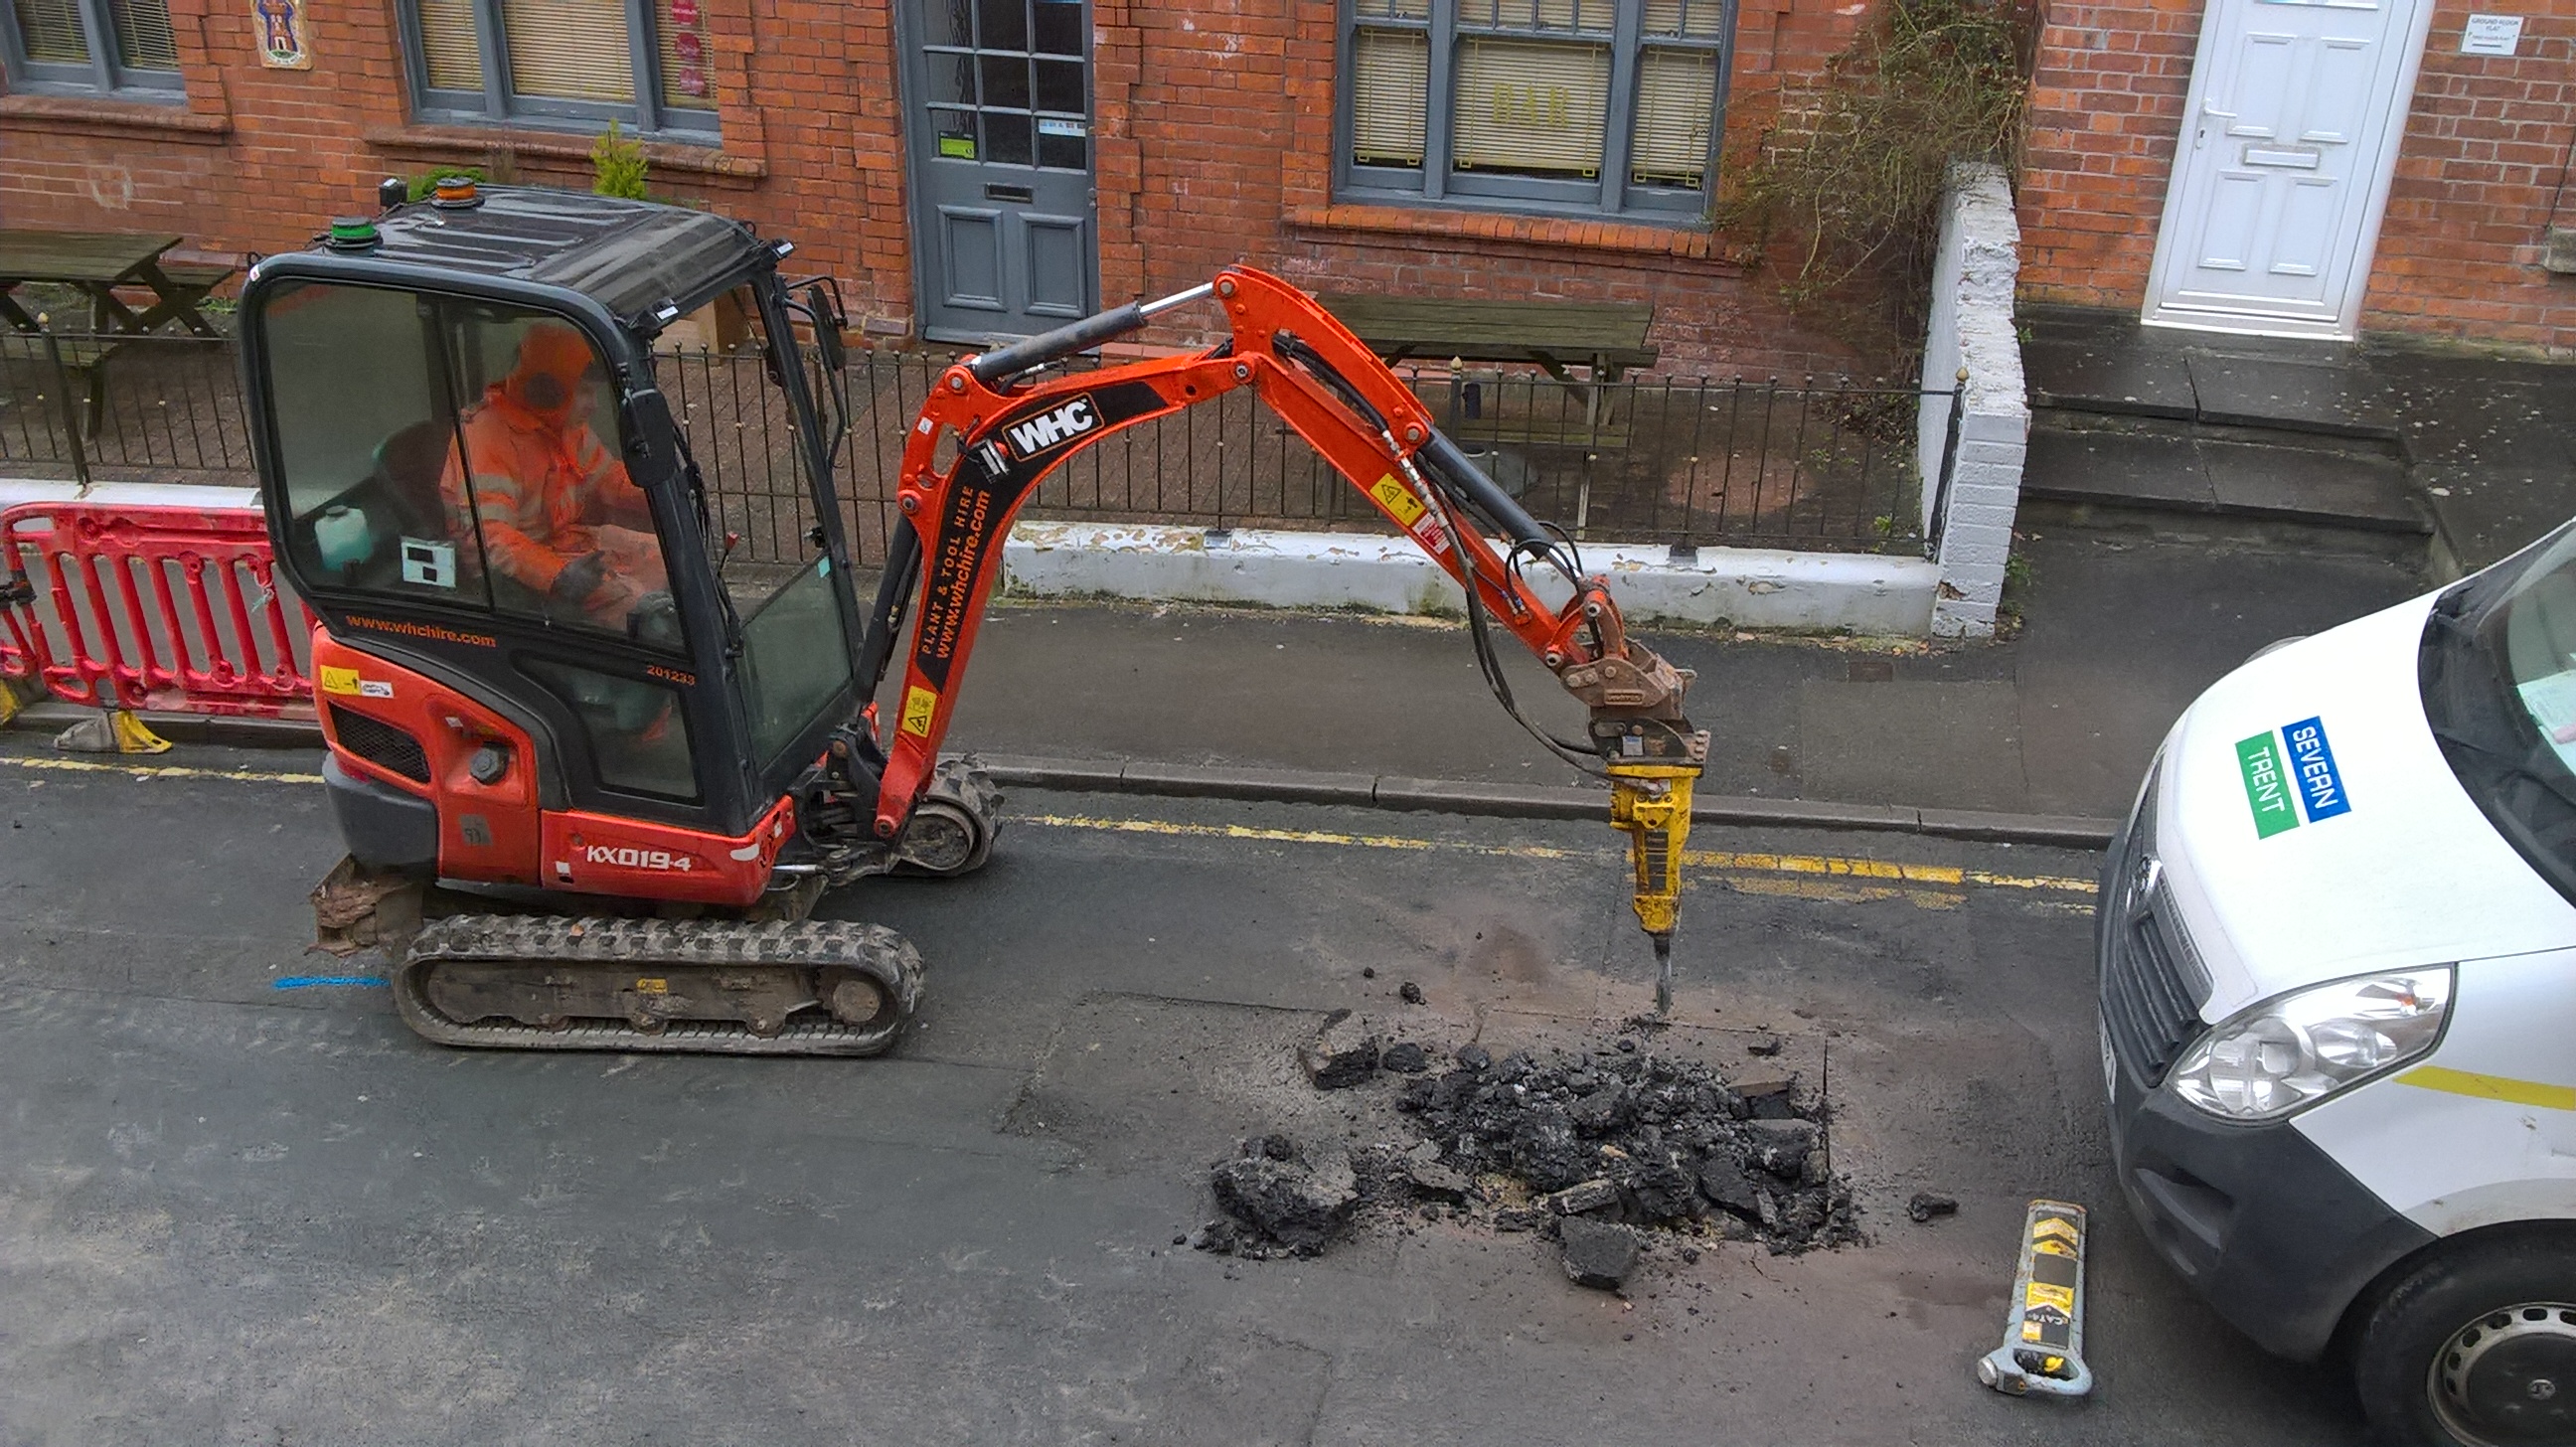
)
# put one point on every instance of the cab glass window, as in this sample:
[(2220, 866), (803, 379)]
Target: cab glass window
[(717, 368), (364, 427), (538, 466), (637, 731), (795, 659), (459, 452)]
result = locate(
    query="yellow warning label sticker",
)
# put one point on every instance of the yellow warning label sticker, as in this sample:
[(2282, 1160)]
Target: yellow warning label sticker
[(652, 987), (340, 680), (2043, 1294), (1397, 499), (919, 705)]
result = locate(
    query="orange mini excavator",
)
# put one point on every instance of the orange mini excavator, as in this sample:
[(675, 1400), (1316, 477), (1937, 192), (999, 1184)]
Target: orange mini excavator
[(593, 778)]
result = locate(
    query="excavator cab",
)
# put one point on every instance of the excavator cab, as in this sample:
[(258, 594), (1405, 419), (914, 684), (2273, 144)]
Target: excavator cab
[(475, 476), (568, 734)]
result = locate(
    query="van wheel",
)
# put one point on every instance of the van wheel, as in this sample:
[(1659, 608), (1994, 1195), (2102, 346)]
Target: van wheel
[(2475, 1346)]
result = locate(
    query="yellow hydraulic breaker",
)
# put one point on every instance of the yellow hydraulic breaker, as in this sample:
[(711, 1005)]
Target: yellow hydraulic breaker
[(1651, 804)]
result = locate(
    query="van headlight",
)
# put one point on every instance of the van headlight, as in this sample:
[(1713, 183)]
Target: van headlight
[(2264, 1062)]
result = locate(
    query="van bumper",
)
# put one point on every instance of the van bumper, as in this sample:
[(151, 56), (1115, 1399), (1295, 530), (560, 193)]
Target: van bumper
[(2257, 1218)]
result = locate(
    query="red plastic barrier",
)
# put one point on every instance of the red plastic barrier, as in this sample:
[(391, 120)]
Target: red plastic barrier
[(172, 609)]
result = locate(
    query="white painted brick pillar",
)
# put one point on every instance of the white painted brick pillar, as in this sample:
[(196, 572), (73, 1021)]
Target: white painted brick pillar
[(1973, 280)]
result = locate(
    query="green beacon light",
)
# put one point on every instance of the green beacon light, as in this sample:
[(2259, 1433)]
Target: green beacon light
[(354, 233)]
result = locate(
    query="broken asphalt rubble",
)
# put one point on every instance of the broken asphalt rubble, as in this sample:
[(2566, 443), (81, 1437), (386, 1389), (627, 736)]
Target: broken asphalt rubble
[(1283, 1202), (1601, 1149), (1342, 1053)]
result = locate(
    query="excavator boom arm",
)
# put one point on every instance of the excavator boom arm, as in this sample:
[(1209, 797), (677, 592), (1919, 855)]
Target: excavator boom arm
[(984, 440)]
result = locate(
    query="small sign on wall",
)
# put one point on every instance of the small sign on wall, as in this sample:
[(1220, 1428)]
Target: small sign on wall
[(2491, 35), (281, 34)]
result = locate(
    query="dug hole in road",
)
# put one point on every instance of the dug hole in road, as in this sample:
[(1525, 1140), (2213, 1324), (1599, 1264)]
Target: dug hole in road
[(234, 1212)]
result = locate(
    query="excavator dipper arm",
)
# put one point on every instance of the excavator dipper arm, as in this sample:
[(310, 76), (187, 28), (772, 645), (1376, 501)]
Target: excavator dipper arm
[(986, 438)]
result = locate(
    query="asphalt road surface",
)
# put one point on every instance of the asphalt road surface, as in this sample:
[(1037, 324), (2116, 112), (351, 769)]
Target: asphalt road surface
[(232, 1212)]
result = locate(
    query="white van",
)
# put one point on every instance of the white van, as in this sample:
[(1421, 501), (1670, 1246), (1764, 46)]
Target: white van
[(2338, 990)]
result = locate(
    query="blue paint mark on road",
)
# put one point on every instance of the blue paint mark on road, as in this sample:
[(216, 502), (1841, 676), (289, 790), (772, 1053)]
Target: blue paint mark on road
[(315, 982)]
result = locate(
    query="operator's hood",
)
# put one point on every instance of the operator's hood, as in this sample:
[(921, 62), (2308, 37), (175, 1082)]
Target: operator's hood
[(2388, 864)]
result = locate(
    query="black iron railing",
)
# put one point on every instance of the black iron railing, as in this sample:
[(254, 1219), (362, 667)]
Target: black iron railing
[(1657, 460), (161, 408)]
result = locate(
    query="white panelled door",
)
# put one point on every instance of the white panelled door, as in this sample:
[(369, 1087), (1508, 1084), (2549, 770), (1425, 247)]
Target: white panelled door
[(2282, 168)]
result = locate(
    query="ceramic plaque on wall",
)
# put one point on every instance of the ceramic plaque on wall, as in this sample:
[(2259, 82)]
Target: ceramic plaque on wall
[(281, 34)]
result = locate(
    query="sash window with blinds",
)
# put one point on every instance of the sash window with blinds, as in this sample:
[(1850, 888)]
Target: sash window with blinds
[(123, 48), (1599, 107), (646, 64)]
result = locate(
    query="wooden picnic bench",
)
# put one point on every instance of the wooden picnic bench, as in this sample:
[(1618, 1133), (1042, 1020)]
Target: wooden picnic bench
[(96, 264), (1605, 338)]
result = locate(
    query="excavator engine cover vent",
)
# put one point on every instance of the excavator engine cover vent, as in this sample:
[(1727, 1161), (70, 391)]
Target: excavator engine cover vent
[(381, 744)]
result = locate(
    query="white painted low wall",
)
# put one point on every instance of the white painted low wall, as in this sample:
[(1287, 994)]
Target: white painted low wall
[(1746, 587), (1973, 280), (15, 490), (1855, 593)]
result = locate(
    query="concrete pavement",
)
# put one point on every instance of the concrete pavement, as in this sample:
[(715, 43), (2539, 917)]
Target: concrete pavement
[(2054, 725), (2467, 452), (2040, 738), (2122, 633)]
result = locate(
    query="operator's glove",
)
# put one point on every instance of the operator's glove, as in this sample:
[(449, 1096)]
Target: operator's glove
[(579, 579), (613, 600)]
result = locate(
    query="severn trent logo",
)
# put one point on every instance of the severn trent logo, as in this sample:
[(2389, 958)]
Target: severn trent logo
[(2289, 770)]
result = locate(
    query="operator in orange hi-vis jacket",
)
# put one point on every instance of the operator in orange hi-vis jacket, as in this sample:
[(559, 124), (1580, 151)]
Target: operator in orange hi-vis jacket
[(559, 515)]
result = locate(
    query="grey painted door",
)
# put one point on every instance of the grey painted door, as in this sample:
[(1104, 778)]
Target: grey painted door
[(998, 124)]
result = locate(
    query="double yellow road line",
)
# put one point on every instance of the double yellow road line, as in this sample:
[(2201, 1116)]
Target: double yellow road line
[(1838, 878), (146, 772)]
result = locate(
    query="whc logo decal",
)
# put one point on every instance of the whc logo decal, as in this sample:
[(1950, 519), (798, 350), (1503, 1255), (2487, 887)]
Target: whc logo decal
[(1051, 429)]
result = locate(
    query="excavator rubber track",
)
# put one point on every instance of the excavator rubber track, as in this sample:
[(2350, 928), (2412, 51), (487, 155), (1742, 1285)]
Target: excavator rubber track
[(539, 982)]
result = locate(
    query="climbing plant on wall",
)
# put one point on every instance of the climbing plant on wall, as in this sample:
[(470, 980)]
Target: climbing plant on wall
[(1841, 195)]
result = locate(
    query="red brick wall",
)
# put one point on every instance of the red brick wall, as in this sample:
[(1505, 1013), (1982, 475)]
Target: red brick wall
[(2106, 102), (1212, 125), (1225, 122), (2482, 173), (256, 158), (260, 159), (2484, 165)]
